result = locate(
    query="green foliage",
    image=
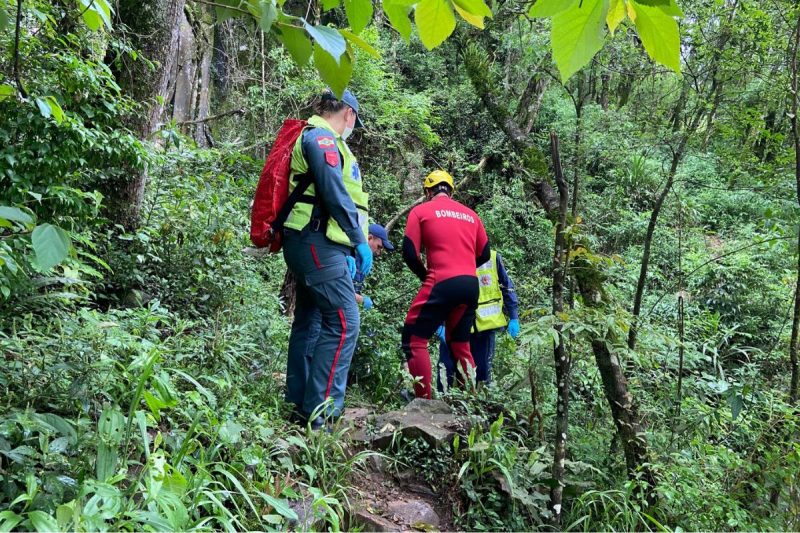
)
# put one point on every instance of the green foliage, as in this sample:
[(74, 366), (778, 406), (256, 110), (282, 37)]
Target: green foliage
[(577, 29)]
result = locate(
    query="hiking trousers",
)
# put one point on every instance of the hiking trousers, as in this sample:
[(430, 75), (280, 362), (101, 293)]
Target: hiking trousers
[(481, 346), (324, 289), (452, 302)]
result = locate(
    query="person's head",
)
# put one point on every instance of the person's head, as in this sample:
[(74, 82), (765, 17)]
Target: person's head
[(342, 114), (378, 240), (438, 182)]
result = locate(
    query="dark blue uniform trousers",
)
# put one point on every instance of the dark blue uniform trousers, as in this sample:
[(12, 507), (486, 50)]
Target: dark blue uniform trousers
[(481, 344), (324, 290)]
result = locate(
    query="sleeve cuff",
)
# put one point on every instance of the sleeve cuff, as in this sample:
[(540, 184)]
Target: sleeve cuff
[(356, 236)]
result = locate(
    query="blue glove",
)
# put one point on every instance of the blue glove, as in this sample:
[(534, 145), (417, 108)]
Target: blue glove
[(351, 266), (367, 303), (365, 254), (441, 333), (513, 328)]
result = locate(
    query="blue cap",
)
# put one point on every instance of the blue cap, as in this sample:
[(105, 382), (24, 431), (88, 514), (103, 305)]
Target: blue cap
[(376, 230), (349, 99)]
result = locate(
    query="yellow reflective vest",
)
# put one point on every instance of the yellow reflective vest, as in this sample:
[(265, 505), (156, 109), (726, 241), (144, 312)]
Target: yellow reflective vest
[(300, 215), (489, 314)]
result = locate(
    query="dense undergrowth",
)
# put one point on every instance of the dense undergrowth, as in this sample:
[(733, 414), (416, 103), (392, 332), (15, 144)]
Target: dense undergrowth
[(141, 378)]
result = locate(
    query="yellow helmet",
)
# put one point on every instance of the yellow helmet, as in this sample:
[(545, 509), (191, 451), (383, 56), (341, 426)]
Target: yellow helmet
[(438, 176)]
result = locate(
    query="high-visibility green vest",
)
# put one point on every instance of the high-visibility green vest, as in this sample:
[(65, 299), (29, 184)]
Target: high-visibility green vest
[(489, 314), (300, 215)]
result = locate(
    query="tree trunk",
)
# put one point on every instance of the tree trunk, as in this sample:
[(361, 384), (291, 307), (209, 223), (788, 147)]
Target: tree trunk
[(648, 241), (588, 277), (562, 358), (155, 25), (793, 359)]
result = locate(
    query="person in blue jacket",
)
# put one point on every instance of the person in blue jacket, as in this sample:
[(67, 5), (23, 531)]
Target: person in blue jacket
[(324, 233), (498, 308), (378, 241)]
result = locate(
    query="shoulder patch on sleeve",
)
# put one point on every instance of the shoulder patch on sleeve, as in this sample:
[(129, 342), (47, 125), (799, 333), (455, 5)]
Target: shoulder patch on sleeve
[(326, 142), (332, 158)]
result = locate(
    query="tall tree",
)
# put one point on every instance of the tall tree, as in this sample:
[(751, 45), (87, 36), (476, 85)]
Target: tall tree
[(588, 278), (154, 28)]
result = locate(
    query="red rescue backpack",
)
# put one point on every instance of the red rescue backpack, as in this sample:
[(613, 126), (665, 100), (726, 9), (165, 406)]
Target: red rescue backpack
[(273, 203)]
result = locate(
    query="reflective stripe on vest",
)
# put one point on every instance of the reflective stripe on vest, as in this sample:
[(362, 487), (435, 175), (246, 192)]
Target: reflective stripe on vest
[(489, 314), (301, 213)]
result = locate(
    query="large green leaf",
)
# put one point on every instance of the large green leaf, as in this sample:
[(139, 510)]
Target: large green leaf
[(577, 35), (51, 245), (110, 429), (329, 39), (327, 5), (15, 214), (8, 520), (616, 14), (281, 506), (41, 521), (96, 13), (296, 42), (397, 12), (361, 43), (475, 7), (659, 34), (548, 8), (359, 13), (6, 91), (336, 74), (49, 107), (265, 12), (435, 22)]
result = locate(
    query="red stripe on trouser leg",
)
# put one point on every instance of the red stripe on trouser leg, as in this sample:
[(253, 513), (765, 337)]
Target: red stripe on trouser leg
[(419, 365), (315, 257), (463, 356), (343, 321)]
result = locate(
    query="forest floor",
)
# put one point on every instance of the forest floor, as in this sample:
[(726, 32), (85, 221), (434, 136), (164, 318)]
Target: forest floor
[(391, 495)]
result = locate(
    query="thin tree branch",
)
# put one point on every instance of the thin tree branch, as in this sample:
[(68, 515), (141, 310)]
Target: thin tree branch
[(21, 88)]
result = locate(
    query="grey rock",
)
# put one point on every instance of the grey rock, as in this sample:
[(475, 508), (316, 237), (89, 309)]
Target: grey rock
[(415, 513), (371, 522)]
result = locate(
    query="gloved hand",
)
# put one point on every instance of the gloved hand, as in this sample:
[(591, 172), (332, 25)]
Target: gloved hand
[(351, 266), (365, 254), (367, 303), (513, 328), (441, 332)]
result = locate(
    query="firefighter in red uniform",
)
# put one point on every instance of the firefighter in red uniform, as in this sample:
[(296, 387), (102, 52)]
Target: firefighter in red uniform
[(455, 243)]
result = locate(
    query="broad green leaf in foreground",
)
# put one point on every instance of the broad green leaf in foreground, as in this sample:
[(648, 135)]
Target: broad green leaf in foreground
[(266, 14), (616, 14), (335, 74), (435, 22), (549, 8), (577, 35), (659, 34), (15, 214), (359, 13), (328, 38), (397, 12), (361, 43), (296, 42), (51, 245)]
